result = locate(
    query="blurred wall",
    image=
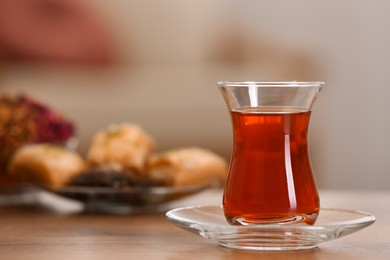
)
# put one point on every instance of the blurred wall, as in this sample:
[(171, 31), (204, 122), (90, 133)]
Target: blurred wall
[(172, 53)]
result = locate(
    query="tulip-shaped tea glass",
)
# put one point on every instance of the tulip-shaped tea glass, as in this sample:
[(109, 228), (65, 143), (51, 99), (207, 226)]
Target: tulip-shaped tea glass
[(270, 177)]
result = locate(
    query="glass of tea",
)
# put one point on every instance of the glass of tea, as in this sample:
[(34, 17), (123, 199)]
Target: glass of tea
[(270, 178)]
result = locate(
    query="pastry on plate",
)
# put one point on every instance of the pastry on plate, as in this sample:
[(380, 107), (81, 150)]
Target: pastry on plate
[(45, 164), (104, 178), (186, 167), (127, 145), (24, 120), (109, 177)]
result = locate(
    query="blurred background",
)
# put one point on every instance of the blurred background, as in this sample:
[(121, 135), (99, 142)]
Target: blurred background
[(155, 63)]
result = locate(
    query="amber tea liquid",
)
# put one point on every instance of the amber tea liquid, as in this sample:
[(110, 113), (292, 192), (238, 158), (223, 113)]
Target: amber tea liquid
[(270, 177)]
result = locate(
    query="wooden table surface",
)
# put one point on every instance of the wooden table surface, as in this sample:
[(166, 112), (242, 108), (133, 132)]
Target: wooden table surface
[(48, 228)]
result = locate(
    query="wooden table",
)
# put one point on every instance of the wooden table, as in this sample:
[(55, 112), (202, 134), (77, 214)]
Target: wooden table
[(56, 230)]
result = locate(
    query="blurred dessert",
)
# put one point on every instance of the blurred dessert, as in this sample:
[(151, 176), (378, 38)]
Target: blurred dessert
[(111, 178), (45, 164), (120, 156), (25, 121), (125, 145), (103, 178), (186, 167)]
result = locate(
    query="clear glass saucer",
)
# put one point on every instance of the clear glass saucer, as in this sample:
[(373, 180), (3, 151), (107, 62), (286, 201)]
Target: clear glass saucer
[(209, 222)]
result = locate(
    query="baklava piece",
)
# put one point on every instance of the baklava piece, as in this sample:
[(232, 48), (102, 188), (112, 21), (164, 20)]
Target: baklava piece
[(45, 164), (187, 167), (126, 145)]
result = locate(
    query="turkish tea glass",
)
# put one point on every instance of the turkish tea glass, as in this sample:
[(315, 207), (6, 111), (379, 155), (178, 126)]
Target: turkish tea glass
[(270, 177)]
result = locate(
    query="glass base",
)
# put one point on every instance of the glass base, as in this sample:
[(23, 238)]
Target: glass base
[(249, 221), (262, 245)]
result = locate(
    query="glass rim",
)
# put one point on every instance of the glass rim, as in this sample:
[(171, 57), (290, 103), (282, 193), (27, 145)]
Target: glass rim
[(316, 84)]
